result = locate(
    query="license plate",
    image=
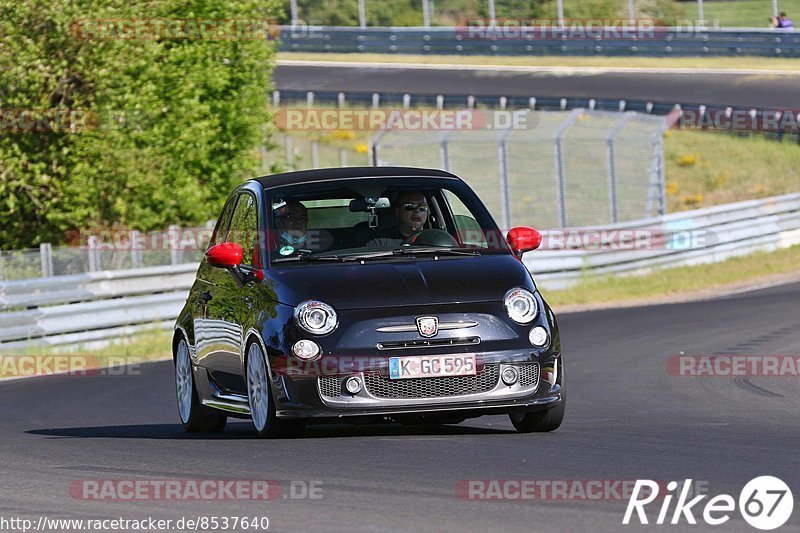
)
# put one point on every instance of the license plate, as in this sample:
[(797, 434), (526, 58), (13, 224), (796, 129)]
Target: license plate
[(432, 366)]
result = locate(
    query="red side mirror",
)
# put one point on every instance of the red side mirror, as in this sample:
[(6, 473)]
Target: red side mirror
[(522, 239), (225, 255)]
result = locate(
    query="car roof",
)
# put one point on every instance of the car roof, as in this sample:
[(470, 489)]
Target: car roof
[(332, 174)]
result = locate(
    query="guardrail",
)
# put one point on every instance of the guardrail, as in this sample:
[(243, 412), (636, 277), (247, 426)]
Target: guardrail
[(704, 113), (92, 306), (463, 41), (106, 305), (677, 239)]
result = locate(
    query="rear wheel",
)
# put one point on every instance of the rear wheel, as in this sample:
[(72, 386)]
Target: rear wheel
[(259, 397), (195, 417)]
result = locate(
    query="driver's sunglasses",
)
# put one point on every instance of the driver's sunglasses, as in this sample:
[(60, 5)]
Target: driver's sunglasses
[(422, 208)]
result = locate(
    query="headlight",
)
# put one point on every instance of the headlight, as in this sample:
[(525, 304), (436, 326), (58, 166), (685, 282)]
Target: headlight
[(316, 317), (521, 306)]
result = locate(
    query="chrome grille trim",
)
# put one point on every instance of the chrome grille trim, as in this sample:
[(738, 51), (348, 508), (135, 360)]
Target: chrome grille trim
[(411, 328), (428, 343)]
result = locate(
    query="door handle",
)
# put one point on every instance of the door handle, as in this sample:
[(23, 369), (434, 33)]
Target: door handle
[(205, 296)]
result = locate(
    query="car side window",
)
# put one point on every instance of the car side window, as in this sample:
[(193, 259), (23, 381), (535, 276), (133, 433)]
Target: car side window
[(224, 222), (244, 229)]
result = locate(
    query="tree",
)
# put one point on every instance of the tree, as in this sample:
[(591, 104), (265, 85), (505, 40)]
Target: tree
[(140, 124)]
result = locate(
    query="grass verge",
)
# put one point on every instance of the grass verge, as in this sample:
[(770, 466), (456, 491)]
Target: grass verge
[(700, 280), (709, 168), (152, 345), (744, 13), (661, 63)]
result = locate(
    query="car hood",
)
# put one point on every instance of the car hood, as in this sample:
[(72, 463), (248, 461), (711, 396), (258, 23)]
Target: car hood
[(378, 284)]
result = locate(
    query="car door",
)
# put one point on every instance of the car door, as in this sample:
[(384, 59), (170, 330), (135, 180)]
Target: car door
[(205, 288), (232, 307)]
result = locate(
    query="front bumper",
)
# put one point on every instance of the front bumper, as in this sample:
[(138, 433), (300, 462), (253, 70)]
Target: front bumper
[(325, 398)]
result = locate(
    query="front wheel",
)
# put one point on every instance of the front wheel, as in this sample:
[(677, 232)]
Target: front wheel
[(541, 421), (259, 397), (195, 417)]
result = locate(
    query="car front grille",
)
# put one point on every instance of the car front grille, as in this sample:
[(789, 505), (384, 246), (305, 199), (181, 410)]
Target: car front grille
[(529, 375), (330, 386), (383, 387), (441, 387)]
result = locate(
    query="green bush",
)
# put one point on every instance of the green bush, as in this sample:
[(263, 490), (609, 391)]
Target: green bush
[(175, 123)]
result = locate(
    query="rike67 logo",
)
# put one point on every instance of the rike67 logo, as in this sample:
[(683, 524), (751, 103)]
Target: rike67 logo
[(765, 503)]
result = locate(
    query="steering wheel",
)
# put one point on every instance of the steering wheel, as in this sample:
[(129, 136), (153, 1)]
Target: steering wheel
[(431, 237)]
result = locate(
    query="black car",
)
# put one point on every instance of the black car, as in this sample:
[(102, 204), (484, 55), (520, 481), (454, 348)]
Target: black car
[(365, 294)]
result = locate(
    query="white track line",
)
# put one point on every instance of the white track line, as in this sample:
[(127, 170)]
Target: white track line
[(564, 71)]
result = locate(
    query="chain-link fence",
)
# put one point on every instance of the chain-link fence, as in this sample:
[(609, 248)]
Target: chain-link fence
[(574, 168), (303, 153), (111, 250)]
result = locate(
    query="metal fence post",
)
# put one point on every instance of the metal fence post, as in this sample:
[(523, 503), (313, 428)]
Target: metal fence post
[(561, 185), (289, 151), (92, 253), (46, 254), (661, 174), (314, 154), (174, 253), (373, 148), (612, 163), (444, 151), (136, 253), (502, 156)]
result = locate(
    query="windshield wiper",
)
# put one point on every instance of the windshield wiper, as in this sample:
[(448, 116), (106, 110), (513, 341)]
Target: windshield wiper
[(307, 255), (412, 250)]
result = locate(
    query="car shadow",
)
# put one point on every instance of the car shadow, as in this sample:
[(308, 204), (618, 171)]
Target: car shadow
[(244, 430)]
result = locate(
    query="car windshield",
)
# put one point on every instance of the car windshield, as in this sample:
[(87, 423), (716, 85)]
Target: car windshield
[(372, 219)]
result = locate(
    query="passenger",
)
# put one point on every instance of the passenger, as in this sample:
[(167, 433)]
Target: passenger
[(291, 222), (410, 212)]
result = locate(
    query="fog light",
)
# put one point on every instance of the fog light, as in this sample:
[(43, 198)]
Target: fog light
[(538, 336), (353, 385), (305, 349), (509, 375)]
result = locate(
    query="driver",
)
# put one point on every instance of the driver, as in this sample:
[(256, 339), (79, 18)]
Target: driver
[(411, 212)]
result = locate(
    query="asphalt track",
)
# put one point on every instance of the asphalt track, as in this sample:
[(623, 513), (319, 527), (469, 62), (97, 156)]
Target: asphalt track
[(737, 89), (627, 419)]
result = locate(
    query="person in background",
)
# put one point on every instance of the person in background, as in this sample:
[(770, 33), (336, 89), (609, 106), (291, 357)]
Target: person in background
[(782, 22)]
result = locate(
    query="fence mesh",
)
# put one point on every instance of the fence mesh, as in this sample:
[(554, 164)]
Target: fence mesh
[(570, 169)]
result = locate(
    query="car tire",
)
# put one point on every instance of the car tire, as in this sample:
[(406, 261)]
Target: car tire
[(541, 421), (195, 417), (260, 400)]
